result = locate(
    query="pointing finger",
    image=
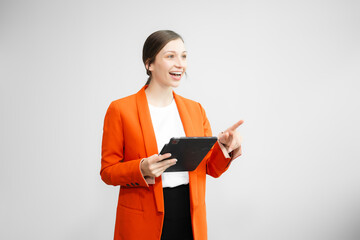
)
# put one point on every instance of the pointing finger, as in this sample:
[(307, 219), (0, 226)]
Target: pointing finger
[(235, 126)]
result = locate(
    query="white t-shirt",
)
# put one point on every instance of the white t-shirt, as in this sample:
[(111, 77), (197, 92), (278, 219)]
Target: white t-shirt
[(167, 124)]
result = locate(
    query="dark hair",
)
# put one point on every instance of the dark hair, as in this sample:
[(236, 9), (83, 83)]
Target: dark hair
[(153, 44)]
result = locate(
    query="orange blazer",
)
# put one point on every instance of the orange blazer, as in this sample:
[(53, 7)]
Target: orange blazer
[(128, 137)]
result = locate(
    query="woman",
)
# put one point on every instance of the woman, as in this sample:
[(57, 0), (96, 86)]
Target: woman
[(153, 204)]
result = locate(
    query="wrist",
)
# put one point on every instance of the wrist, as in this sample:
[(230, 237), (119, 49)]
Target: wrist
[(142, 167), (224, 150)]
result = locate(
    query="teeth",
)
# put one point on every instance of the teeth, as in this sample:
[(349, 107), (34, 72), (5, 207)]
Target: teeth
[(176, 73)]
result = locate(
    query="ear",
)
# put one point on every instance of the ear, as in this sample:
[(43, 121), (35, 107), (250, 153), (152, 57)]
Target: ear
[(148, 66)]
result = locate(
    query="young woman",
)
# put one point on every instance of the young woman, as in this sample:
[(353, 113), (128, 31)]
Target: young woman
[(152, 204)]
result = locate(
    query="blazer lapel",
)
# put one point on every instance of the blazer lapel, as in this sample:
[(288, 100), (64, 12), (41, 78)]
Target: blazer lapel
[(146, 123), (190, 132), (185, 116), (150, 142)]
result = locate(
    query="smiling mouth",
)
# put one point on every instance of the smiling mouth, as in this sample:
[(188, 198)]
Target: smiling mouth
[(175, 74)]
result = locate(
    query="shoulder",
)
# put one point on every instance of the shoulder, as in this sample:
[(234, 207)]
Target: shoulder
[(188, 101), (190, 104), (124, 103)]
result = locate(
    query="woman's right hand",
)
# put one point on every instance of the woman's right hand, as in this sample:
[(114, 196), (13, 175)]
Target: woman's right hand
[(155, 165)]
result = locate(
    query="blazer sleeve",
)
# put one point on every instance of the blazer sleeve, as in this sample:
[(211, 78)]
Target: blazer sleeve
[(216, 162), (114, 170)]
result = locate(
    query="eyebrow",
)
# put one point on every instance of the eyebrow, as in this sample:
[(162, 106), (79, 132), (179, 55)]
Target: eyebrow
[(174, 52)]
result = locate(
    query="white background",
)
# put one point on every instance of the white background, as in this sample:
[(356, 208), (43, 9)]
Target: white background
[(290, 69)]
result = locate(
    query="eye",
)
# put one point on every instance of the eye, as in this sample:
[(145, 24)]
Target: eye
[(170, 56), (184, 56)]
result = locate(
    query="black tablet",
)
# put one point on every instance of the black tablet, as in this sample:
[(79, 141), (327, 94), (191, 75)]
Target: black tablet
[(189, 151)]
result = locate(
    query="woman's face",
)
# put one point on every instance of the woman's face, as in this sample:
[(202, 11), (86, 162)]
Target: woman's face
[(169, 65)]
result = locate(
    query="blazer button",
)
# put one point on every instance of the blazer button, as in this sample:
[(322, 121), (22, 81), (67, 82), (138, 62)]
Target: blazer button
[(133, 184), (128, 185), (136, 184)]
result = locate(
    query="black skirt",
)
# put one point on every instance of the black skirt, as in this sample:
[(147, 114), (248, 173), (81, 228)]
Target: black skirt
[(177, 219)]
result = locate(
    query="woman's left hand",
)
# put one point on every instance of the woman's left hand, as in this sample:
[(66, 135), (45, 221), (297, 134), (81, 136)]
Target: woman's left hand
[(231, 139)]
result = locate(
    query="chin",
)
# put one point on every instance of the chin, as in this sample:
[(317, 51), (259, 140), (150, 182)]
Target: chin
[(175, 85)]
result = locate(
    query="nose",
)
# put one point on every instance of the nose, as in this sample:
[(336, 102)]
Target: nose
[(180, 62)]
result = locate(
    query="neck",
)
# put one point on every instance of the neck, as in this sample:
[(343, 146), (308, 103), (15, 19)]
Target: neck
[(159, 96)]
